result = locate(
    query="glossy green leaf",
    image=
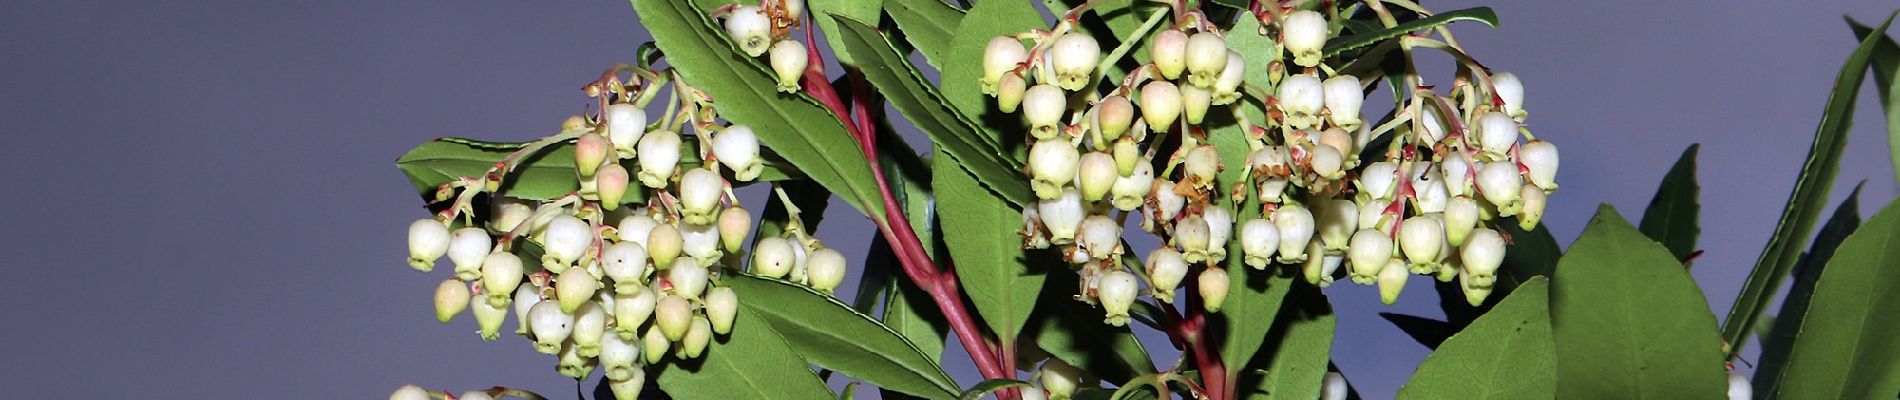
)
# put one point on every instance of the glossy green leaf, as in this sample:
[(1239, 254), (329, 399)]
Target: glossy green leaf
[(1673, 216), (753, 362), (953, 134), (1806, 201), (544, 176), (1505, 354), (990, 261), (1846, 349), (928, 25), (834, 336), (795, 126), (1073, 332), (961, 78), (1255, 297), (1298, 349), (909, 311), (1343, 43), (1258, 51), (1886, 64), (1629, 322), (861, 10), (1778, 342), (986, 387)]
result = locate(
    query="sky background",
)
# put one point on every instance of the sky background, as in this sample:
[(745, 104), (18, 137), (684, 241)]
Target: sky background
[(202, 200)]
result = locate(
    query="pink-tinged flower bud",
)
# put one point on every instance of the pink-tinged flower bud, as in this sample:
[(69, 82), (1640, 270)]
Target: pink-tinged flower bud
[(1344, 96), (1531, 202), (488, 317), (590, 151), (1304, 34), (688, 278), (566, 239), (737, 148), (772, 257), (722, 305), (1206, 56), (664, 244), (1043, 106), (1496, 134), (789, 60), (1458, 172), (1116, 290), (611, 183), (1369, 253), (625, 124), (1372, 216), (1201, 166), (1540, 157), (1421, 238), (1213, 288), (1010, 92), (698, 335), (826, 269), (1052, 164), (451, 297), (1100, 237), (1392, 279), (619, 356), (1259, 239), (1129, 191), (1000, 56), (1296, 228), (428, 241), (590, 325), (734, 224), (655, 344), (750, 29), (1338, 139), (409, 392), (659, 156), (1073, 57), (701, 242), (1461, 216), (1302, 97), (673, 315), (1227, 84), (1166, 269), (1112, 117), (1337, 219), (501, 273), (1509, 88), (1160, 104), (574, 287), (550, 326), (1500, 182), (1097, 175), (1482, 254), (1169, 52), (633, 309)]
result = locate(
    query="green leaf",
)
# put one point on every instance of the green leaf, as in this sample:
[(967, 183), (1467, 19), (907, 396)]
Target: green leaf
[(992, 385), (909, 311), (960, 79), (1629, 322), (1673, 215), (829, 333), (1255, 297), (990, 261), (952, 133), (1807, 200), (1778, 342), (1258, 51), (546, 175), (927, 24), (1886, 64), (750, 363), (1481, 14), (795, 126), (861, 10), (1073, 332), (1846, 349), (1299, 348), (1505, 354)]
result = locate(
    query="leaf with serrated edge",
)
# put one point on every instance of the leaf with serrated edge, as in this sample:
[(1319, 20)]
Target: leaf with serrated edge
[(546, 175), (991, 263), (1673, 215), (1506, 354), (1629, 322), (862, 10), (1785, 327), (1343, 43), (961, 81), (829, 333), (752, 362), (1886, 64), (992, 385), (1846, 349), (928, 25)]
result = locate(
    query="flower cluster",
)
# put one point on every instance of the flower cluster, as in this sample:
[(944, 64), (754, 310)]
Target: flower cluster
[(1424, 200), (761, 30), (625, 271)]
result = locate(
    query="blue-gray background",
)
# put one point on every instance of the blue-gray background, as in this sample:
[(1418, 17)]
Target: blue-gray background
[(200, 199)]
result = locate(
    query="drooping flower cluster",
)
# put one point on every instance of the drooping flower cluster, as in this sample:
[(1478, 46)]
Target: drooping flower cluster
[(1424, 200), (626, 270), (761, 30)]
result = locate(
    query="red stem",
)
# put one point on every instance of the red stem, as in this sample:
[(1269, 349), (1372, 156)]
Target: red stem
[(1191, 330)]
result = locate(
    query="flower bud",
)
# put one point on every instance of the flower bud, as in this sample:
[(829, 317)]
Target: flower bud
[(655, 345), (1296, 228), (1043, 106), (734, 224), (550, 326), (590, 151), (1116, 289), (1220, 230), (635, 228), (625, 124), (1457, 171), (701, 243), (789, 60), (468, 247), (1304, 33), (451, 297), (1059, 379), (619, 356), (1378, 180), (1010, 91), (1206, 56), (488, 317), (663, 245), (1201, 166), (1372, 215), (688, 278), (1337, 220), (673, 315), (409, 392), (626, 263), (737, 148), (722, 305), (750, 29), (526, 296), (1258, 240), (1499, 182), (1194, 103), (1392, 279), (1338, 139), (1319, 270), (573, 365), (428, 241), (632, 309), (1100, 237), (1496, 134), (1166, 269), (1461, 216), (1062, 215), (1333, 387), (659, 156), (590, 325), (1739, 388), (1302, 97), (1167, 203), (1511, 90), (567, 238), (794, 9), (1327, 162), (507, 215), (1191, 234), (1073, 57), (1531, 210), (1473, 294), (611, 183), (772, 257), (1052, 164), (1227, 84), (1369, 253), (1169, 52), (573, 287), (1214, 284), (1160, 104), (1344, 96), (1540, 158), (1129, 191), (630, 388), (700, 190), (1097, 175), (1112, 116), (826, 269), (697, 337), (501, 273), (1000, 56), (1430, 192), (1421, 238), (1482, 253)]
